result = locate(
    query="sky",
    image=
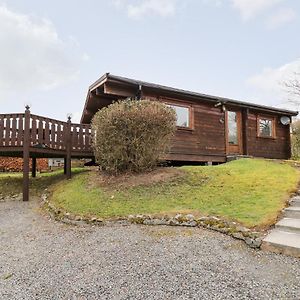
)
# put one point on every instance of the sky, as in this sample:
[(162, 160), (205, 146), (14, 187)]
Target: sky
[(51, 51)]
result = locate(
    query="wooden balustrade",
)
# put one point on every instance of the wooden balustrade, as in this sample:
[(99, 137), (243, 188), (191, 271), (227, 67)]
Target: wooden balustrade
[(28, 134), (11, 130), (44, 133)]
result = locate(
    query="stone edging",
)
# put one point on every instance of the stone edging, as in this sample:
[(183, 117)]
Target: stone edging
[(251, 238)]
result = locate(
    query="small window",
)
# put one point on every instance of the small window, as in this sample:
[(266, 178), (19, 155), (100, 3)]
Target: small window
[(183, 115), (266, 127)]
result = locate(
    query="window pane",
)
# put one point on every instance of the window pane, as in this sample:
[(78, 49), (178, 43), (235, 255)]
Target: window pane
[(265, 127), (182, 114), (232, 128)]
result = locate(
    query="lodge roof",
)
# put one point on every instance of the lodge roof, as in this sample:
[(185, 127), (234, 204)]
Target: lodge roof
[(182, 93)]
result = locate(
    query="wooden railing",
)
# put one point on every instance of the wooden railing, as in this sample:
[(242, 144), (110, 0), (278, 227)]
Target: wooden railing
[(11, 129), (34, 135), (44, 133)]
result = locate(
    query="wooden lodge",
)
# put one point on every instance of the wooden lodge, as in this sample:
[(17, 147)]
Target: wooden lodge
[(209, 128)]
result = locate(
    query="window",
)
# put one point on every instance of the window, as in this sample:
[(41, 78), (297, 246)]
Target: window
[(232, 128), (265, 127), (183, 115)]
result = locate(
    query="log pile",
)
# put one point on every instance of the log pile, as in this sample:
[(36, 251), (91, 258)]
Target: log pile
[(15, 164)]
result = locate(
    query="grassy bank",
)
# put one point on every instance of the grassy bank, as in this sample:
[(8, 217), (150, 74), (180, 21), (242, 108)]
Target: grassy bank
[(11, 183), (250, 191)]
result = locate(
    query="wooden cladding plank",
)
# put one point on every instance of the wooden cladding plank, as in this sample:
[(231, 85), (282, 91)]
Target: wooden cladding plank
[(40, 132), (33, 130), (53, 135), (7, 131), (20, 130), (13, 133), (47, 132), (58, 136), (74, 137), (1, 130), (86, 137), (80, 138), (64, 135)]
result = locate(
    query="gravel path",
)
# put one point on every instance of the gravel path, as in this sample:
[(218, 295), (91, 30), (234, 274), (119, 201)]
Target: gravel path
[(43, 259)]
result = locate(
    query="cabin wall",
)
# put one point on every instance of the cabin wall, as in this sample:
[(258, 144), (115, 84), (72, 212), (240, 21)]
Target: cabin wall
[(278, 147), (205, 140)]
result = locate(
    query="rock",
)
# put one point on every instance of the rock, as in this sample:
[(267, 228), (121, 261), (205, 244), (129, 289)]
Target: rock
[(173, 222), (190, 217), (253, 243), (155, 222), (138, 219), (78, 218), (238, 235), (189, 224)]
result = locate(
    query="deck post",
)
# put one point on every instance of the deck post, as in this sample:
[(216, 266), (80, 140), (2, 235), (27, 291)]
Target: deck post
[(26, 154), (33, 167), (65, 165), (68, 149)]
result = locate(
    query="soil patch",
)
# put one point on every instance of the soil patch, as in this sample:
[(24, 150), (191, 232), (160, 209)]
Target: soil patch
[(129, 180)]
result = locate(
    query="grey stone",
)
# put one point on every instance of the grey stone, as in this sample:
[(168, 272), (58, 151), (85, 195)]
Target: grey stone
[(238, 235), (190, 217)]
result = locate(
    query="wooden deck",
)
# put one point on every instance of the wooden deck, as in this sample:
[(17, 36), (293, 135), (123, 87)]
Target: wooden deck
[(31, 136)]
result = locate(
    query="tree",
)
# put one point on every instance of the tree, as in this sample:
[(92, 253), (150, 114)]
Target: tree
[(292, 87)]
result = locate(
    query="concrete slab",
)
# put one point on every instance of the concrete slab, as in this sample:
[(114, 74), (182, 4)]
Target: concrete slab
[(289, 225), (282, 242), (292, 212)]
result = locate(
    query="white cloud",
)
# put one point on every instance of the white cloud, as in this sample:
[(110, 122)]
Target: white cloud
[(251, 8), (269, 83), (32, 56), (281, 17), (141, 8)]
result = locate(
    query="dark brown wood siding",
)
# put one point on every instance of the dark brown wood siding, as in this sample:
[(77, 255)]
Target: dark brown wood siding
[(205, 140), (277, 147)]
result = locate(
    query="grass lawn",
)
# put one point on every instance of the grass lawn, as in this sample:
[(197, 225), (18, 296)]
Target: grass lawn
[(250, 191), (11, 183)]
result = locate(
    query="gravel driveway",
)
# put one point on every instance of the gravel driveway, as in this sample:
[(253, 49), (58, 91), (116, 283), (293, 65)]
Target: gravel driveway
[(43, 259)]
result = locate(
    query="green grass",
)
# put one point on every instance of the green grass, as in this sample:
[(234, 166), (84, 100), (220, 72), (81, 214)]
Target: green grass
[(11, 183), (250, 191)]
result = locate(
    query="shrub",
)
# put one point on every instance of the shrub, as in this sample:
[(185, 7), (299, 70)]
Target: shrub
[(130, 135)]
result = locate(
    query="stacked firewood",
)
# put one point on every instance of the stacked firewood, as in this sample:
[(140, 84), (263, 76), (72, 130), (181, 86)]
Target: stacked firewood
[(14, 164)]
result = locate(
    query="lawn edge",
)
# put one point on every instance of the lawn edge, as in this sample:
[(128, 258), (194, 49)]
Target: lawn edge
[(252, 238)]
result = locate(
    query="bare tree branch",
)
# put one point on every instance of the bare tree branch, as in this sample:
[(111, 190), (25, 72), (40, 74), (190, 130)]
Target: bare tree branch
[(292, 87)]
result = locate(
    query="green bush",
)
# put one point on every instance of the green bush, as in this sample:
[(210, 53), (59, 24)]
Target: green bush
[(131, 135)]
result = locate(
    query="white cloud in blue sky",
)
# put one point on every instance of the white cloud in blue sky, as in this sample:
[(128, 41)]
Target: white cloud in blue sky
[(139, 9), (51, 51), (251, 8), (32, 56)]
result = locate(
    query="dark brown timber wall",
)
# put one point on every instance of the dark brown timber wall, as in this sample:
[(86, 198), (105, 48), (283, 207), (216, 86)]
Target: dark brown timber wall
[(278, 147), (206, 140)]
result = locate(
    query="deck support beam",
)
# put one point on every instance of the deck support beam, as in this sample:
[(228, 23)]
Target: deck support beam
[(26, 155), (33, 167), (65, 165), (69, 150)]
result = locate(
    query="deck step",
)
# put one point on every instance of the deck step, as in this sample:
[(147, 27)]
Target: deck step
[(292, 212), (289, 225), (295, 202), (282, 242)]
